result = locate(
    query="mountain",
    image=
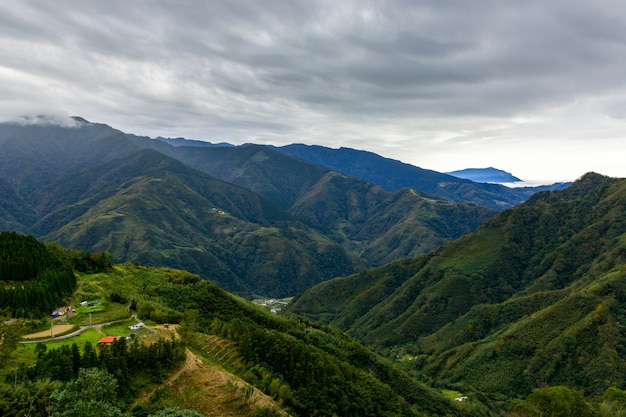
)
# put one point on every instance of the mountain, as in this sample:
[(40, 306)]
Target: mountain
[(190, 142), (393, 175), (254, 220), (89, 187), (491, 175), (383, 226), (533, 298), (209, 351), (376, 224), (33, 156)]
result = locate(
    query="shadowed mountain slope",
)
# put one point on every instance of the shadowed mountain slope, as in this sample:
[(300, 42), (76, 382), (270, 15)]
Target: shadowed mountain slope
[(393, 175), (33, 156)]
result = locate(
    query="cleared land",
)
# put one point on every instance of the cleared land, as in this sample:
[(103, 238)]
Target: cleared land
[(56, 330)]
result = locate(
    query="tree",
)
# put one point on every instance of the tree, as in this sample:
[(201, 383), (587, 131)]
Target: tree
[(93, 393), (552, 401), (175, 412)]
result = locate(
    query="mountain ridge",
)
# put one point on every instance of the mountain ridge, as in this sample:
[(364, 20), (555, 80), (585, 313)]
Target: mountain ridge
[(393, 175), (487, 310), (94, 187)]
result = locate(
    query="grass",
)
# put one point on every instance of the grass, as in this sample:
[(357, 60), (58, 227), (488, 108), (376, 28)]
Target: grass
[(26, 351), (448, 393), (127, 280)]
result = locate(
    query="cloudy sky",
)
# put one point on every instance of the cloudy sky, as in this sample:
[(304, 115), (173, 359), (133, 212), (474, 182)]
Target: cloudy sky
[(537, 88)]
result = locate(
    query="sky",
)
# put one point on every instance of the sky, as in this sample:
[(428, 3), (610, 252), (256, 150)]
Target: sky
[(536, 88)]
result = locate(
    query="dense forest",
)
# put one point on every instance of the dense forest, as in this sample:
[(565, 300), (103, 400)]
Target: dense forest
[(121, 363), (33, 280), (533, 299)]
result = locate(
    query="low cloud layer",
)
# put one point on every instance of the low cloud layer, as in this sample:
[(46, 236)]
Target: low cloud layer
[(535, 88)]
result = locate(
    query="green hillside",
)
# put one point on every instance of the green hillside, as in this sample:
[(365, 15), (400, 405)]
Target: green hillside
[(271, 225), (377, 225), (151, 209), (383, 226), (301, 368), (533, 298)]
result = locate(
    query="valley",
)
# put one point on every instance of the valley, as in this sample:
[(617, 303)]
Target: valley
[(297, 282), (237, 358)]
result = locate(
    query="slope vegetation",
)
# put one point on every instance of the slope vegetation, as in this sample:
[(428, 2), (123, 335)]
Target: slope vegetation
[(252, 219), (534, 297), (241, 359), (376, 224), (152, 209)]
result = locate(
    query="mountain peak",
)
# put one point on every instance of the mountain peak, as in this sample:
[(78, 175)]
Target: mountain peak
[(490, 174), (79, 120)]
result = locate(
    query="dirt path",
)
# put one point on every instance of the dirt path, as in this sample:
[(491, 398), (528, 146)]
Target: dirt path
[(56, 330), (60, 328)]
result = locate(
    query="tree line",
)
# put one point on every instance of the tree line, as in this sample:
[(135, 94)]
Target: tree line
[(123, 359), (40, 388), (35, 277)]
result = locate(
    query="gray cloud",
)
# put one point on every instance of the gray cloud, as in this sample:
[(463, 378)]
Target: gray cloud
[(442, 85)]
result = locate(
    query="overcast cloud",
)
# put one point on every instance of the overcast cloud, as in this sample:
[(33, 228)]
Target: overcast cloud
[(537, 88)]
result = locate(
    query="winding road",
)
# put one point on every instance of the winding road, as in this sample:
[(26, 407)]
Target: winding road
[(72, 334)]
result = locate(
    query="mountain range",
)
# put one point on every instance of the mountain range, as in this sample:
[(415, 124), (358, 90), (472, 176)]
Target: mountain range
[(393, 175), (519, 308), (253, 219), (535, 297)]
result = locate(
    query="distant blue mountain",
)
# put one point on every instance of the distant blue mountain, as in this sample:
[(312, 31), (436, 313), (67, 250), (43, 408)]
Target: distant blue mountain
[(490, 174), (393, 175)]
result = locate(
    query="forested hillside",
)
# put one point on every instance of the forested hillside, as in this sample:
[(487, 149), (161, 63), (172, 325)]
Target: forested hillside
[(308, 369), (377, 225), (33, 281), (533, 298), (249, 218)]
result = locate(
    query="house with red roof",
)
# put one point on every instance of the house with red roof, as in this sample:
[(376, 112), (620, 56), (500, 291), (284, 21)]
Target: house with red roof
[(107, 340)]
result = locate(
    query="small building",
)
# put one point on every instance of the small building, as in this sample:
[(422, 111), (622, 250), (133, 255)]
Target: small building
[(61, 311), (107, 340)]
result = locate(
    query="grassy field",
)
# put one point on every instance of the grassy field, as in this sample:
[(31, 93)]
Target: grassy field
[(26, 351), (107, 318)]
